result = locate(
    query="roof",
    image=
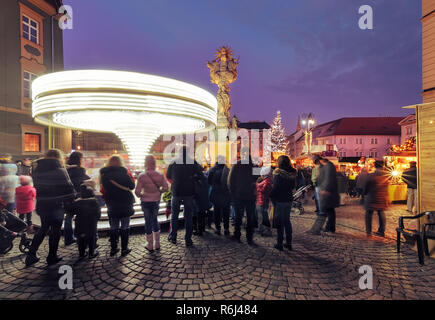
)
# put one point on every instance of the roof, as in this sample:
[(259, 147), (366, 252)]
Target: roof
[(55, 3), (371, 126), (254, 125), (410, 119)]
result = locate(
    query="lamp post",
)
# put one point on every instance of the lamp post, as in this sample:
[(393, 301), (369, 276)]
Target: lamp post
[(308, 133)]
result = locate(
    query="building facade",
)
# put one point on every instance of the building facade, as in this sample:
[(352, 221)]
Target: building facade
[(428, 50), (349, 137), (31, 44)]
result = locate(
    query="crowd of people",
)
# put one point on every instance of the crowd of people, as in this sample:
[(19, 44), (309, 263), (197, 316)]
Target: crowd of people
[(63, 192)]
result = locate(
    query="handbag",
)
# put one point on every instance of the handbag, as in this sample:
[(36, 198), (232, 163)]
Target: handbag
[(120, 186)]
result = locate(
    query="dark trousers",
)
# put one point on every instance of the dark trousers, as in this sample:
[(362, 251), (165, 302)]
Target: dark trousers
[(27, 217), (263, 211), (240, 206), (51, 221), (330, 223), (85, 242), (176, 203), (282, 220), (382, 221), (222, 215)]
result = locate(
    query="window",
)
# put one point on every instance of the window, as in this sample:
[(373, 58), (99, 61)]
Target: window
[(30, 29), (373, 154), (342, 154), (359, 154), (408, 130), (32, 142), (358, 140), (342, 140), (28, 77), (388, 140), (374, 140)]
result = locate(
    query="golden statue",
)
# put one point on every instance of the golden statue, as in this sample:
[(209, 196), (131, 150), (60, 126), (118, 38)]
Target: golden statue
[(223, 71)]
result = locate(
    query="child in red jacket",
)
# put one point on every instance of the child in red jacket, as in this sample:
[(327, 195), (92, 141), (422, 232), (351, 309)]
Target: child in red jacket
[(25, 196), (264, 186)]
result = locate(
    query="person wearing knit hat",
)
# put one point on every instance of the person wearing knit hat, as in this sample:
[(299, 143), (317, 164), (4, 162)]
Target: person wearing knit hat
[(88, 212)]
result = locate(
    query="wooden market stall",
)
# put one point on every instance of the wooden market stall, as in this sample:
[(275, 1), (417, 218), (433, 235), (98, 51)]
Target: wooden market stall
[(425, 114)]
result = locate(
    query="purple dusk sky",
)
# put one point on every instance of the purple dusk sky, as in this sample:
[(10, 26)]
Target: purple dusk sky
[(296, 56)]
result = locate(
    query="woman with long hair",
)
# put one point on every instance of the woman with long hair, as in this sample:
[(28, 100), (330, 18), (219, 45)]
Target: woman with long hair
[(284, 181), (53, 188), (117, 184), (150, 186)]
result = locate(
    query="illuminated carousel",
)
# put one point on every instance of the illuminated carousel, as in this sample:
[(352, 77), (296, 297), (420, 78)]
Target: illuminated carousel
[(138, 108)]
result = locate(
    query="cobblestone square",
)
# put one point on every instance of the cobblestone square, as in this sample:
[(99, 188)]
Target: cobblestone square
[(319, 267)]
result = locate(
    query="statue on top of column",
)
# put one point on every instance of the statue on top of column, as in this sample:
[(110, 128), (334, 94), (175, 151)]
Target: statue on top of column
[(223, 71)]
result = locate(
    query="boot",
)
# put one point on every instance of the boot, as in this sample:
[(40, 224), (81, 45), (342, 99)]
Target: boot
[(114, 237), (149, 245), (53, 244), (124, 242), (92, 245), (195, 225), (81, 243), (156, 240)]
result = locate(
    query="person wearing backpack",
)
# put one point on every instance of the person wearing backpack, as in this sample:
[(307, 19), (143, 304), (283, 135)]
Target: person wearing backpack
[(150, 186)]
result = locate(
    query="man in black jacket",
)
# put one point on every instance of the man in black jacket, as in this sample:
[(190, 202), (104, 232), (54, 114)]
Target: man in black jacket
[(183, 173), (328, 197), (409, 176), (53, 188), (241, 182)]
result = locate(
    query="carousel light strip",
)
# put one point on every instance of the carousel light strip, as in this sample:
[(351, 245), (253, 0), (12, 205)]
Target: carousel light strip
[(137, 119), (99, 79)]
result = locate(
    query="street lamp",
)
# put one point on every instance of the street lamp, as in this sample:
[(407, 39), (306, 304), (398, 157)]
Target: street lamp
[(308, 133)]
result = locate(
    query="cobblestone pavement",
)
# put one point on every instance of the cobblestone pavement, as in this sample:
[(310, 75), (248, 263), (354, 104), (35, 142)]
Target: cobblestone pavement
[(319, 267)]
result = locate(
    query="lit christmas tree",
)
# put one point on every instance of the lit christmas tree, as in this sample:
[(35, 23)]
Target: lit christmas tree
[(278, 138)]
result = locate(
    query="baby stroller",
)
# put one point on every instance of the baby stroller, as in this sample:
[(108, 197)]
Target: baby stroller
[(12, 227), (298, 198)]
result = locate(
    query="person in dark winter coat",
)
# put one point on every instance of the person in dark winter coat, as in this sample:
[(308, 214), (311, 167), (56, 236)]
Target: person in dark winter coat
[(409, 176), (117, 184), (183, 173), (264, 186), (220, 195), (376, 198), (201, 204), (53, 188), (241, 182), (77, 175), (284, 181), (87, 211), (328, 197)]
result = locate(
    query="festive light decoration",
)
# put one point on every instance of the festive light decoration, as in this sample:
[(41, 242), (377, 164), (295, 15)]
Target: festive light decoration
[(278, 138), (138, 108), (409, 145)]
